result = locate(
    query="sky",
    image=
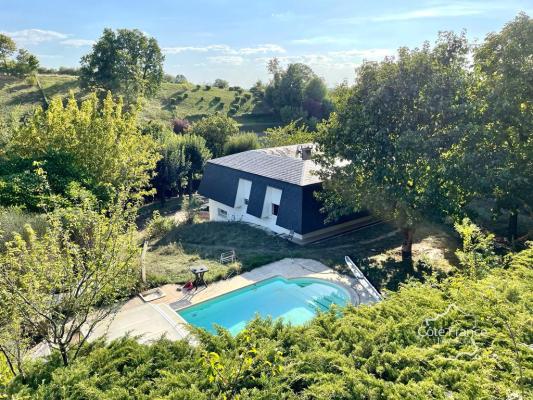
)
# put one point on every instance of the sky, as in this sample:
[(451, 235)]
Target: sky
[(234, 39)]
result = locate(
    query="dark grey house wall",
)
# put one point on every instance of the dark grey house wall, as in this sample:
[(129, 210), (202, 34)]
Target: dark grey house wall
[(314, 218), (299, 210)]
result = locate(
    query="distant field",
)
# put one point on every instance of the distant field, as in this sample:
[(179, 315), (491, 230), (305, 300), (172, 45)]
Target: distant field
[(170, 102)]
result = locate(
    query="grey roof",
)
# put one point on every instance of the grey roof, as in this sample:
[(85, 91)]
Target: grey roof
[(280, 163)]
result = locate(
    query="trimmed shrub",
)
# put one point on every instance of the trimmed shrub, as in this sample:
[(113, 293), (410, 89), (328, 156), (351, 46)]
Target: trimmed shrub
[(220, 83), (180, 125), (241, 142)]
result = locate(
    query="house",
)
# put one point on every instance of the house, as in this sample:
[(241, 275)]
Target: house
[(273, 188)]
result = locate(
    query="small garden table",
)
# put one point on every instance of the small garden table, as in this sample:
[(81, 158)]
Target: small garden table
[(199, 275)]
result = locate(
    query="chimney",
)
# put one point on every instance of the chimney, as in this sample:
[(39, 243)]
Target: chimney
[(307, 152)]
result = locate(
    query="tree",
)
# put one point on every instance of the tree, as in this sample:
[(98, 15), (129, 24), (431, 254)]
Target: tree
[(505, 145), (63, 284), (291, 133), (241, 142), (215, 129), (7, 48), (180, 78), (220, 83), (296, 93), (96, 145), (195, 155), (182, 158), (179, 125), (26, 63), (393, 133), (125, 62)]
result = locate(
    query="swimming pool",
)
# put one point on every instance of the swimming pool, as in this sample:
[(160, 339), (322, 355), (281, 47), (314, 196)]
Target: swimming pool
[(296, 301)]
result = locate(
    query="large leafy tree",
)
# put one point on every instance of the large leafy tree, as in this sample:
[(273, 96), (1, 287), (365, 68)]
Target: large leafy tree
[(59, 286), (504, 67), (182, 159), (389, 146), (26, 63), (296, 93), (125, 62), (95, 145), (215, 129), (7, 48)]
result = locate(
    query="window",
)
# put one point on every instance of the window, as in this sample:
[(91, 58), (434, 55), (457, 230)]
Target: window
[(222, 213), (275, 209), (245, 202)]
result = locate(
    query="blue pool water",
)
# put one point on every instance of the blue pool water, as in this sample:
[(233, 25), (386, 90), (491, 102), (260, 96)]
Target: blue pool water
[(294, 300)]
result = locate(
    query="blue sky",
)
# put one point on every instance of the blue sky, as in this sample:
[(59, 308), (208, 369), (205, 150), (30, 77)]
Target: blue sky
[(233, 39)]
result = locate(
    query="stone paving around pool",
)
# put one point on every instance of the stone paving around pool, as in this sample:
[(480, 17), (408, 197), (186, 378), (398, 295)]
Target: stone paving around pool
[(150, 321)]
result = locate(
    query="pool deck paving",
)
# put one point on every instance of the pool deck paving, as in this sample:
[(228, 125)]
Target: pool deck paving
[(150, 321)]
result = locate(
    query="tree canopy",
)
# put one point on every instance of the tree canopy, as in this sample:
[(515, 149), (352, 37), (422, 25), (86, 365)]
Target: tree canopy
[(297, 93), (215, 129), (125, 62), (7, 48), (501, 153), (95, 145), (60, 285), (396, 128)]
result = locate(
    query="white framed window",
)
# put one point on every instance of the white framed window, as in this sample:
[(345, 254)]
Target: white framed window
[(271, 202), (222, 213), (246, 202)]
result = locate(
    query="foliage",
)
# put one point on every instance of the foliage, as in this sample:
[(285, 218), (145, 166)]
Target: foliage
[(7, 48), (180, 125), (220, 83), (241, 142), (14, 219), (180, 78), (291, 133), (60, 151), (125, 62), (477, 255), (182, 159), (501, 154), (26, 63), (296, 93), (158, 226), (215, 129), (397, 127), (378, 351), (58, 286), (191, 207)]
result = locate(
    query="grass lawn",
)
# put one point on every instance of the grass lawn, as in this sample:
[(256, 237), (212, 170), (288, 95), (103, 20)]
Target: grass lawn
[(18, 95), (376, 250)]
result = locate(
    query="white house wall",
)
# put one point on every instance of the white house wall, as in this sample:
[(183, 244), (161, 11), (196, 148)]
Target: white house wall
[(235, 214)]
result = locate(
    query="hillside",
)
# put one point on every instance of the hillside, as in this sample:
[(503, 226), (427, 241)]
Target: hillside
[(172, 101)]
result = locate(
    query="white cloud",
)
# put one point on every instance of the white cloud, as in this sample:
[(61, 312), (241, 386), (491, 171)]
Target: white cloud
[(228, 60), (447, 10), (319, 40), (78, 42), (450, 9), (225, 49), (367, 54), (262, 48), (35, 36)]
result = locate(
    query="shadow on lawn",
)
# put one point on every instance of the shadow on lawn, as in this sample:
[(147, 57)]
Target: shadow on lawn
[(255, 247)]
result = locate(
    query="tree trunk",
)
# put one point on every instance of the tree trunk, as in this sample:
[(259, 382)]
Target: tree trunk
[(407, 245), (9, 363), (513, 225), (64, 354), (189, 186)]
